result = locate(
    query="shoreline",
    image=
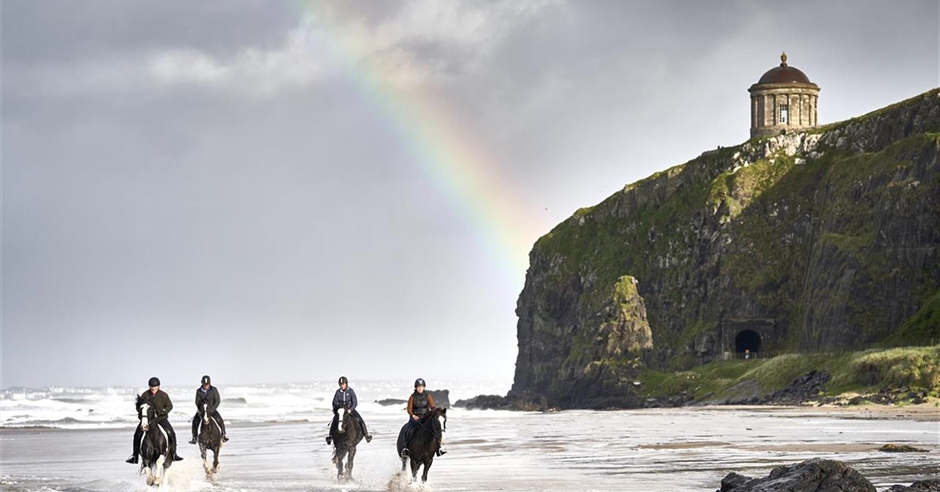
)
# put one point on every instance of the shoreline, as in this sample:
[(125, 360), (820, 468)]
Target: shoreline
[(924, 412)]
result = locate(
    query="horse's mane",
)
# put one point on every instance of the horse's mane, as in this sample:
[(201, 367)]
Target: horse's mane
[(433, 414)]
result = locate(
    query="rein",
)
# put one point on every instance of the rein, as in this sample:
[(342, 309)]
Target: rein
[(425, 425)]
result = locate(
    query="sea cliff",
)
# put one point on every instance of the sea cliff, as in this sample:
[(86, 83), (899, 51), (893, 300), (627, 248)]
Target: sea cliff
[(823, 241)]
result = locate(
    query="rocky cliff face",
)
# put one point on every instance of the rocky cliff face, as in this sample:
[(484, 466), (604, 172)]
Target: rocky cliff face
[(814, 241)]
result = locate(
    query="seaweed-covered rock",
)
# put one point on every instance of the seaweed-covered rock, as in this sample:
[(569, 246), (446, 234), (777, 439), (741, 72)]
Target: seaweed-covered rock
[(932, 485), (815, 475)]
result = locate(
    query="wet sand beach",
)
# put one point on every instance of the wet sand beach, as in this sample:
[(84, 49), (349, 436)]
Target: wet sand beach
[(652, 450)]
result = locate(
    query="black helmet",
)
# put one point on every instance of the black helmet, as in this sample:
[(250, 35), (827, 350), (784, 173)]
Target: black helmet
[(154, 381), (419, 382), (343, 380), (206, 379)]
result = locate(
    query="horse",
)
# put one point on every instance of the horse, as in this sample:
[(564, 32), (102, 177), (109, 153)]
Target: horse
[(210, 437), (425, 442), (346, 434), (156, 450)]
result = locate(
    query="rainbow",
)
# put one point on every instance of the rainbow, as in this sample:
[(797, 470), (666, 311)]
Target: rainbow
[(446, 156)]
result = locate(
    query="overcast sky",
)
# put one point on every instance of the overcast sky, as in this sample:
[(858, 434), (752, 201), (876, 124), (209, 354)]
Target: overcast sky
[(289, 191)]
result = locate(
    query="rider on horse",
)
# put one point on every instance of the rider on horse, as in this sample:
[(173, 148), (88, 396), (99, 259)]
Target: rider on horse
[(419, 403), (161, 404), (207, 395), (343, 398)]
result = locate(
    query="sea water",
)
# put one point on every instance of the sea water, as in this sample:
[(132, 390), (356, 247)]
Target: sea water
[(76, 439)]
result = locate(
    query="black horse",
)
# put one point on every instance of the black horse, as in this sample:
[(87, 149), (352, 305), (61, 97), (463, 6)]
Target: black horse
[(424, 443), (156, 450), (210, 437), (346, 433)]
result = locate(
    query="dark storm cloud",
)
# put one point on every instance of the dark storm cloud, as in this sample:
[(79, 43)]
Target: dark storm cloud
[(62, 30)]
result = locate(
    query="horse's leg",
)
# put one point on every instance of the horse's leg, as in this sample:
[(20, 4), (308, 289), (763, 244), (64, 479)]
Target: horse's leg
[(349, 463), (414, 469), (159, 472), (215, 457), (339, 463), (202, 453), (149, 474), (427, 466), (166, 472)]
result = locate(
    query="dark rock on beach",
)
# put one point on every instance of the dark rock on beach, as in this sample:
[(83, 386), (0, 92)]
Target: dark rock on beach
[(815, 475), (932, 485), (803, 388), (524, 401), (390, 402), (901, 448), (441, 399)]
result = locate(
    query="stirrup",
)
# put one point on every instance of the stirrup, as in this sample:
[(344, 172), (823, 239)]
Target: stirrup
[(368, 437), (192, 441), (329, 440), (404, 453), (224, 438), (132, 460)]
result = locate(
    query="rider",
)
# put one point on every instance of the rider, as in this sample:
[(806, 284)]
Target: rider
[(161, 404), (345, 396), (208, 394), (419, 403)]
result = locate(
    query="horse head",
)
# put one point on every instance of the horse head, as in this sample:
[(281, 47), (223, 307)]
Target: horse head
[(205, 413), (344, 418), (441, 413), (434, 419), (144, 412)]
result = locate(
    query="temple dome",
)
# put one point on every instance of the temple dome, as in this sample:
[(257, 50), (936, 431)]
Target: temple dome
[(784, 74)]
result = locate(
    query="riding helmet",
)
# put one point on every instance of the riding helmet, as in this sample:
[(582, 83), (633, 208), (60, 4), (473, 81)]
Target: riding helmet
[(206, 379), (419, 382), (154, 381), (343, 380)]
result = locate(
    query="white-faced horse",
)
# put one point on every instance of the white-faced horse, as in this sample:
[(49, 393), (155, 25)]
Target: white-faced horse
[(210, 437), (346, 433), (156, 452)]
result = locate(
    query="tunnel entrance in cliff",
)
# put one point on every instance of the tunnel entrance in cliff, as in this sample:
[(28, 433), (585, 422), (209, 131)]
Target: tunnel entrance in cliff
[(747, 341)]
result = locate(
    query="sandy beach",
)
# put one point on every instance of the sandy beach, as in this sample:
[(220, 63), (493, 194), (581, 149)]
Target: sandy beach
[(656, 450)]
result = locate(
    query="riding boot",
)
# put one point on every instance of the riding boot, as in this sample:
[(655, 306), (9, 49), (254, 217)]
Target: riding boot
[(173, 442), (218, 418), (137, 435), (195, 428), (364, 429)]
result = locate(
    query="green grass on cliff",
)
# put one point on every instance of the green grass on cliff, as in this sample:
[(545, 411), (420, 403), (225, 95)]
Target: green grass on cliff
[(866, 372), (924, 325)]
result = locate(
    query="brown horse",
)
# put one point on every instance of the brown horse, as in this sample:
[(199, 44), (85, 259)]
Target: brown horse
[(424, 443)]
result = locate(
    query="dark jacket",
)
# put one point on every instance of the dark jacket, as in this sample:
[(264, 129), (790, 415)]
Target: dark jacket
[(160, 402), (420, 403), (341, 398), (211, 397)]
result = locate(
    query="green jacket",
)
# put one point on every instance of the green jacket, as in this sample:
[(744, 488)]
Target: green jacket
[(161, 404)]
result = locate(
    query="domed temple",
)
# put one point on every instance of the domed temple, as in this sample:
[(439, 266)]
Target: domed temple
[(783, 100)]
